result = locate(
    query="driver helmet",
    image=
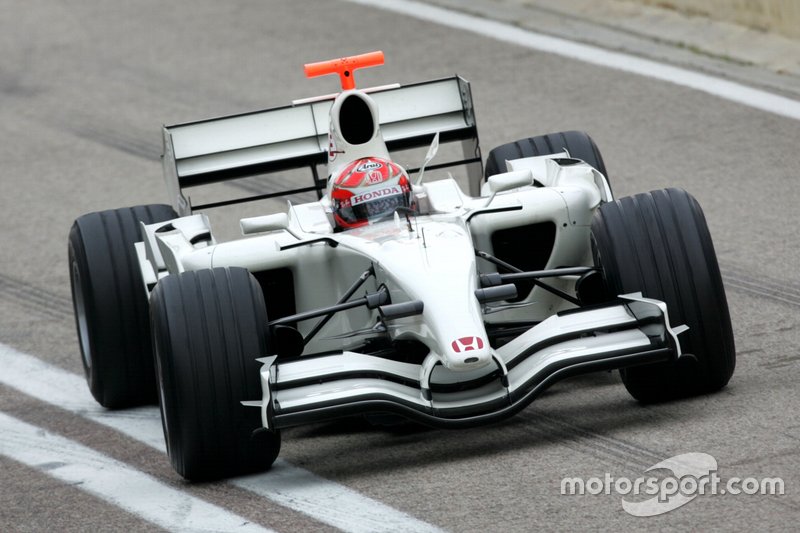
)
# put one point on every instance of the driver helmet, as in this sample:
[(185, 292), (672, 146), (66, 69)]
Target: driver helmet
[(368, 189)]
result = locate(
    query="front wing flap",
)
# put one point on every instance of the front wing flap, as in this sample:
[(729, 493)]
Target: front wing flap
[(315, 388)]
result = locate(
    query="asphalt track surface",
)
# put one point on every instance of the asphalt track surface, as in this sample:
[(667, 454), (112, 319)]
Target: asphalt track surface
[(84, 89)]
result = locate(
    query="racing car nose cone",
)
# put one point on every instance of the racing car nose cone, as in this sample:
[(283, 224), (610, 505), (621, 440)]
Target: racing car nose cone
[(467, 344), (468, 352)]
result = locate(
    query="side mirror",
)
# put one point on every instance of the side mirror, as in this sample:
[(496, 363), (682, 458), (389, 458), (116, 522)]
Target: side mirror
[(510, 180), (264, 223)]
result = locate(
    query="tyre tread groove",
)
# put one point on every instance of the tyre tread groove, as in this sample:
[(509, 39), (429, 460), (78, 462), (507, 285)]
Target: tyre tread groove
[(658, 243), (214, 436)]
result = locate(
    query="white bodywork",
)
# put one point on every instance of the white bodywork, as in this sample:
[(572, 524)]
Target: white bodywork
[(429, 257), (440, 269)]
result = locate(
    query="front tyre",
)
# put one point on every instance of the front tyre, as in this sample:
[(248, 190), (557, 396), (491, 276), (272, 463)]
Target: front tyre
[(209, 327), (658, 243), (110, 303)]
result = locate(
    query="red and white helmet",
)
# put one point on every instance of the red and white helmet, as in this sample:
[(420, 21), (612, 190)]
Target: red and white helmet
[(368, 189)]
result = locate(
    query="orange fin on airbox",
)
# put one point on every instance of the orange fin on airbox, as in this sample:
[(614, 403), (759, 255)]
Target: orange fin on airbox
[(344, 67)]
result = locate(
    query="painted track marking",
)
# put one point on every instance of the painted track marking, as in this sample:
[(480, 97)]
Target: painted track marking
[(113, 481), (285, 484), (728, 90)]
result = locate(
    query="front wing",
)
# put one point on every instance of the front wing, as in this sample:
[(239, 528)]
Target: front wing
[(311, 389)]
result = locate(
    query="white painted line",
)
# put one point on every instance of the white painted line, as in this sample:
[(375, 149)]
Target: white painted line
[(285, 484), (725, 89), (328, 502), (69, 391), (113, 481)]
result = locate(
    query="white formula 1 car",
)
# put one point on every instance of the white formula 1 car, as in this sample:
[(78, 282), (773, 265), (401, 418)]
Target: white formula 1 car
[(389, 295)]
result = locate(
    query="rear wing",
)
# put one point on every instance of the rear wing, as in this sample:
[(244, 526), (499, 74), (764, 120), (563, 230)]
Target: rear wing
[(296, 136)]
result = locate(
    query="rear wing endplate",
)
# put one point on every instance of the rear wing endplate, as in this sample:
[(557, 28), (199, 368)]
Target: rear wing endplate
[(296, 136)]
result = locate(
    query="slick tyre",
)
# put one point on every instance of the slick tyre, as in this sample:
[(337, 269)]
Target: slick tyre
[(577, 143), (209, 327), (110, 304), (658, 244)]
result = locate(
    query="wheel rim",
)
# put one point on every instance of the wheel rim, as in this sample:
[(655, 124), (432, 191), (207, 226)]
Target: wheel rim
[(80, 316)]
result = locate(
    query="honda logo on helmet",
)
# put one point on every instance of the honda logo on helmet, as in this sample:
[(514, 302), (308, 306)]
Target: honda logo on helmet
[(375, 194), (375, 177), (465, 344)]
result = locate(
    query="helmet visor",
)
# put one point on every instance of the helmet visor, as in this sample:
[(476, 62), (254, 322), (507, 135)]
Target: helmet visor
[(373, 209)]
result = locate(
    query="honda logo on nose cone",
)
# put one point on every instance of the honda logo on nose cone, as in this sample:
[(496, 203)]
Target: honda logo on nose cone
[(465, 344)]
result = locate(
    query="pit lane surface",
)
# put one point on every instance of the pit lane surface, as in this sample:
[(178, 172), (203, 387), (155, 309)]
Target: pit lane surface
[(84, 89)]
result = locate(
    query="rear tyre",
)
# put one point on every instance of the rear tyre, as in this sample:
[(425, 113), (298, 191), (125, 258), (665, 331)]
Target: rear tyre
[(209, 327), (110, 303), (577, 143), (658, 243)]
